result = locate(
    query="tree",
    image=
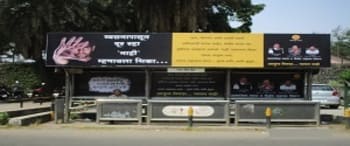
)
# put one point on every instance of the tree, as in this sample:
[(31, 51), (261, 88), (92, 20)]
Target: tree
[(28, 21), (341, 44)]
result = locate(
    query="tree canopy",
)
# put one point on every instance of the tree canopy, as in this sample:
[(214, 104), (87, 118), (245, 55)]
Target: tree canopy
[(341, 43), (26, 22)]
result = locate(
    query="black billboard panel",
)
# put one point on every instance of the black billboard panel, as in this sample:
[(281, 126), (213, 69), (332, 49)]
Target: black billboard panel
[(103, 84), (296, 50), (108, 49), (267, 85), (210, 84)]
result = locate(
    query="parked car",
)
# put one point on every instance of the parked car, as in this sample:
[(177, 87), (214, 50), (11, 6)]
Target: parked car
[(326, 95)]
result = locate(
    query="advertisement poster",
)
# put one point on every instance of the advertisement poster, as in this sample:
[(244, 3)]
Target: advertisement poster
[(297, 50), (103, 84), (287, 85), (206, 50), (108, 49), (235, 50), (188, 84)]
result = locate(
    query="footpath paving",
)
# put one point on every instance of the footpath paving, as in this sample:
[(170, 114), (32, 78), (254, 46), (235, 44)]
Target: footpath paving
[(26, 105)]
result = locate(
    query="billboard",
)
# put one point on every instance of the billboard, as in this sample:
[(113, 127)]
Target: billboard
[(209, 84), (108, 49), (222, 50), (269, 85), (217, 50), (103, 84), (297, 50)]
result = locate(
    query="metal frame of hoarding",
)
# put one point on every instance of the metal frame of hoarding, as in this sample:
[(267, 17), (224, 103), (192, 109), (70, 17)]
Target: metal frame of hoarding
[(100, 102), (226, 118), (316, 118)]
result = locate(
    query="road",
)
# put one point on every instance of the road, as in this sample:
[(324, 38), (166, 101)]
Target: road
[(284, 136)]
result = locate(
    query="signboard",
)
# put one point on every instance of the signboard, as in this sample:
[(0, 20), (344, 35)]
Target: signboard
[(188, 50), (186, 70), (268, 85), (217, 50), (100, 84), (188, 84), (297, 50), (118, 110), (108, 49), (177, 110), (282, 111), (182, 111)]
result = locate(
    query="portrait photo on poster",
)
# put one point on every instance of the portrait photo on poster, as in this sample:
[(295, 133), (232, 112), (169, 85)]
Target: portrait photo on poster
[(255, 85), (74, 48), (276, 50), (312, 51)]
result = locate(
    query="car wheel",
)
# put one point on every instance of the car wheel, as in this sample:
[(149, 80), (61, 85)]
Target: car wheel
[(333, 106)]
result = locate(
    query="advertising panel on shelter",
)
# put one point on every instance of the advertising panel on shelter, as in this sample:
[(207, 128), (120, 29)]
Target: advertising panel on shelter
[(108, 49), (297, 50), (269, 85), (103, 84), (209, 84), (238, 50), (205, 50)]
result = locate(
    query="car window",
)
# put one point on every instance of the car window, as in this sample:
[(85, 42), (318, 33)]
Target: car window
[(322, 87)]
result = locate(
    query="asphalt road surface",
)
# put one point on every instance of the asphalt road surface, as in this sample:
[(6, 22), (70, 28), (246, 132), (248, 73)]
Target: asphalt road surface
[(124, 137)]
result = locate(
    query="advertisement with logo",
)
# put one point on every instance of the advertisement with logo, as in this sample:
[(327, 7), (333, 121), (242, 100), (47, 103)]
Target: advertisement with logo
[(108, 49), (201, 50), (182, 111), (297, 50), (174, 110)]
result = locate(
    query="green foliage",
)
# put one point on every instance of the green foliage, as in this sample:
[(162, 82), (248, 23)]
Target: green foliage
[(4, 118), (27, 22), (75, 116), (25, 73), (345, 75), (341, 44), (335, 83)]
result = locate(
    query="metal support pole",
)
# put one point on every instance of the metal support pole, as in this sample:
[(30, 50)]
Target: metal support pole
[(347, 118), (268, 114), (147, 84), (346, 105), (228, 84), (72, 85), (66, 100), (308, 85), (190, 116), (21, 102)]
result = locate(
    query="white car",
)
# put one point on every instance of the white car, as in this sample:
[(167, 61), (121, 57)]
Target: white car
[(326, 95)]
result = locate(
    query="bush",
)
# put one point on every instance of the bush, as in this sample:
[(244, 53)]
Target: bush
[(26, 74), (4, 118), (345, 75)]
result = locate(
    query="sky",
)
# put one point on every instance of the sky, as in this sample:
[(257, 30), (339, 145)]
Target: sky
[(301, 16)]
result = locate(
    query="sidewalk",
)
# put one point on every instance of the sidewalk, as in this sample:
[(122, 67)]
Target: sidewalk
[(26, 105)]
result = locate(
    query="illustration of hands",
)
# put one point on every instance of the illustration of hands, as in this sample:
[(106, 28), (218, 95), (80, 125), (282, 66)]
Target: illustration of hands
[(73, 49)]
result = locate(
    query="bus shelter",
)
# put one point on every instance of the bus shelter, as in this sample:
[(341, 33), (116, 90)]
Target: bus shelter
[(169, 72)]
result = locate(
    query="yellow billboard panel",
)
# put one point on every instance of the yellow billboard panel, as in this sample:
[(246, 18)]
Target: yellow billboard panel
[(235, 50)]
